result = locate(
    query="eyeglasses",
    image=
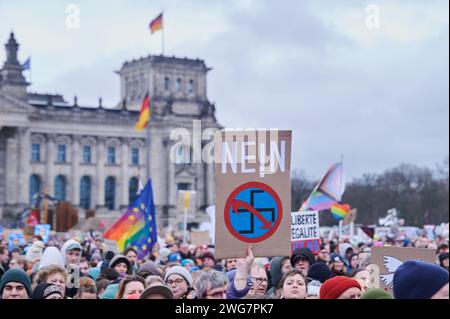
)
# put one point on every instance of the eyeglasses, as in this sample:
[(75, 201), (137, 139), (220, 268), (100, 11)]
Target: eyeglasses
[(259, 280), (217, 294), (176, 281)]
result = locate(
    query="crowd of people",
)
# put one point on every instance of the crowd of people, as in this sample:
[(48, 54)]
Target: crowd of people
[(87, 269)]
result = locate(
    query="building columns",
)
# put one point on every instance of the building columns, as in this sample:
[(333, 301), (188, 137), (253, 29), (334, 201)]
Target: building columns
[(12, 170), (123, 182), (50, 160), (75, 171), (23, 171), (99, 185)]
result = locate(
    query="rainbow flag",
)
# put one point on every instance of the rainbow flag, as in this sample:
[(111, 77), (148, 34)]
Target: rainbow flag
[(328, 191), (157, 23), (340, 211), (137, 227), (145, 114)]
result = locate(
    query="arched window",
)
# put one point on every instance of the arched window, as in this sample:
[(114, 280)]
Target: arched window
[(85, 192), (183, 156), (60, 188), (133, 187), (110, 193), (191, 86), (35, 186), (178, 85), (167, 84)]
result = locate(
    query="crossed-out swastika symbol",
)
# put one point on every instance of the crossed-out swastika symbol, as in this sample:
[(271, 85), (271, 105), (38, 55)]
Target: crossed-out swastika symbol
[(253, 212)]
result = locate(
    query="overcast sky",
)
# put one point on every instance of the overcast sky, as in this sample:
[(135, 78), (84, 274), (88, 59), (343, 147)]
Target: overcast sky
[(378, 96)]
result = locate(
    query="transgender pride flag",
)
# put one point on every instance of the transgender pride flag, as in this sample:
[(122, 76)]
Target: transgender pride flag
[(329, 190)]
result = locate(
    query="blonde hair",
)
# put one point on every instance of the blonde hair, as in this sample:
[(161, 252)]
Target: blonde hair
[(44, 273)]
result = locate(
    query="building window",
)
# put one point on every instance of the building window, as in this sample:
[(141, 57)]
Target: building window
[(191, 86), (184, 186), (110, 193), (178, 85), (87, 154), (35, 153), (61, 157), (60, 188), (133, 188), (111, 155), (135, 156), (167, 84), (183, 156), (85, 192), (34, 186)]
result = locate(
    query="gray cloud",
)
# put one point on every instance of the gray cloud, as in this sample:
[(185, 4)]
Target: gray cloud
[(286, 64)]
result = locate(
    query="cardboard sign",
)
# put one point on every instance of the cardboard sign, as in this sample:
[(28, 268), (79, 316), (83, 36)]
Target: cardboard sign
[(305, 230), (43, 230), (253, 193), (388, 259), (199, 238)]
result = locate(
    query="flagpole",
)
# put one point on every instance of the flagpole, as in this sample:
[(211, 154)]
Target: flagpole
[(149, 145), (185, 225), (162, 32)]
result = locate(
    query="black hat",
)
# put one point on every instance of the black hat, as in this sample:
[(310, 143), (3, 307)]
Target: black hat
[(443, 256), (302, 253), (44, 290), (320, 272), (157, 289), (121, 259)]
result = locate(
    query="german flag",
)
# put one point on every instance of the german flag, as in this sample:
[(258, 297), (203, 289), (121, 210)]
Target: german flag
[(156, 24), (145, 114)]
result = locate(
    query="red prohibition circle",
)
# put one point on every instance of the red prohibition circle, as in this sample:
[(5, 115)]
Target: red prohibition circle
[(233, 195)]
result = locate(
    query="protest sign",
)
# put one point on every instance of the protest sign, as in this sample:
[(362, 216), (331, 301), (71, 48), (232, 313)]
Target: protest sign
[(43, 230), (305, 230), (199, 238), (388, 259), (253, 193)]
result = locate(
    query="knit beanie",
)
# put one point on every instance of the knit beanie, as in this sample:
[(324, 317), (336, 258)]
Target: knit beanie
[(110, 291), (418, 280), (16, 275), (376, 293), (149, 268), (183, 272), (334, 287), (304, 253), (94, 273), (44, 290), (320, 272)]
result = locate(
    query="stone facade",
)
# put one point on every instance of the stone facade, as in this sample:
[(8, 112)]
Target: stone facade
[(43, 138)]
